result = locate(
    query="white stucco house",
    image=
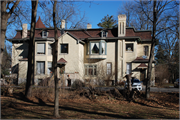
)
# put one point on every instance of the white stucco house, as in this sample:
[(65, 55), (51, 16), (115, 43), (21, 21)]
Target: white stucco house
[(84, 53)]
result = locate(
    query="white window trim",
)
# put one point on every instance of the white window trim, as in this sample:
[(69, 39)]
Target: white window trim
[(44, 48), (43, 34), (94, 66), (40, 68), (130, 65)]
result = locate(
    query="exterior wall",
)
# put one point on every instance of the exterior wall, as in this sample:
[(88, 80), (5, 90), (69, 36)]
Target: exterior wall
[(74, 57), (101, 63), (42, 57), (140, 49), (19, 51)]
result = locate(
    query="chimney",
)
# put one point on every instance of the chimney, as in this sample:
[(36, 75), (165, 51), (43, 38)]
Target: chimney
[(62, 24), (121, 25), (24, 32), (89, 26)]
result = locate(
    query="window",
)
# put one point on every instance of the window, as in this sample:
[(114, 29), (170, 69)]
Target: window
[(40, 67), (146, 50), (104, 33), (97, 47), (41, 48), (64, 48), (94, 48), (128, 68), (44, 34), (103, 47), (90, 70), (129, 47), (109, 68), (49, 49), (49, 68)]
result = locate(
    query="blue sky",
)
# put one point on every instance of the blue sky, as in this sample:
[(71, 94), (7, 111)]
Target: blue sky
[(94, 10), (98, 9)]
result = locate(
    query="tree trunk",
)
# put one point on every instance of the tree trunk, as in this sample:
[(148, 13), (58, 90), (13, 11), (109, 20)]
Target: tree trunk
[(55, 54), (31, 52), (4, 18), (152, 51)]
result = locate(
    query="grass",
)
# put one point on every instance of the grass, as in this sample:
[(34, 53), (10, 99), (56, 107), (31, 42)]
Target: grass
[(18, 107)]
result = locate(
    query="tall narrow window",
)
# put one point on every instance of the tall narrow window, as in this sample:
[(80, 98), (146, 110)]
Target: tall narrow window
[(40, 48), (103, 47), (40, 65), (49, 68), (109, 68), (49, 49), (146, 50), (128, 68), (64, 48), (120, 27), (123, 28)]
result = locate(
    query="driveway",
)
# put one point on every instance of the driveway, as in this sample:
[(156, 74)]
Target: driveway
[(155, 89)]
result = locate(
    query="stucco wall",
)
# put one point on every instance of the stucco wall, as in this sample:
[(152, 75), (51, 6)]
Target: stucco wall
[(19, 51)]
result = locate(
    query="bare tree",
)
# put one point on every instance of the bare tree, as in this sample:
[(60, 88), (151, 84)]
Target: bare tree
[(65, 10), (55, 54), (7, 9), (31, 51)]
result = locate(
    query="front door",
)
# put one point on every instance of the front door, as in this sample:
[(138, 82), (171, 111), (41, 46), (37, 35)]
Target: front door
[(142, 74)]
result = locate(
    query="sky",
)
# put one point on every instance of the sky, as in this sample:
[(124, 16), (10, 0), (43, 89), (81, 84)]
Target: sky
[(96, 10)]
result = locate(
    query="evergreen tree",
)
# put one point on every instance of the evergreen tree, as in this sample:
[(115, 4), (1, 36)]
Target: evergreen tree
[(107, 22), (160, 56), (6, 62)]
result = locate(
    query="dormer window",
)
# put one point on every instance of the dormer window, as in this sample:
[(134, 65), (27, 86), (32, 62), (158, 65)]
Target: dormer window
[(104, 33), (44, 34)]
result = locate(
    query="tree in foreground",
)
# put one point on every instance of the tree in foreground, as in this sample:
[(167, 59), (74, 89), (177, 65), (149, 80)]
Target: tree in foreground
[(7, 9), (55, 54), (31, 52), (107, 22)]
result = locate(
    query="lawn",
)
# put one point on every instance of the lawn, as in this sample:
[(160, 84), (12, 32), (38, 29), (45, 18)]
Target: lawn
[(159, 106)]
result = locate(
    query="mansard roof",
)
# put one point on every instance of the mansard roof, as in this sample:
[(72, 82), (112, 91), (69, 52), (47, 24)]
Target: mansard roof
[(83, 34)]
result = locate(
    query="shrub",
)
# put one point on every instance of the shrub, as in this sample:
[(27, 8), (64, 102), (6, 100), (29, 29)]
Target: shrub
[(77, 84)]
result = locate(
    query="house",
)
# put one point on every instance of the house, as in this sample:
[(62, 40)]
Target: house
[(84, 53)]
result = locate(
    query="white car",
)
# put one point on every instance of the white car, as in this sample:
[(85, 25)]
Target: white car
[(136, 84)]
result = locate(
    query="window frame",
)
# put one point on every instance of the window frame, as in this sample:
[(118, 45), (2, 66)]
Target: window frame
[(146, 50), (49, 49), (89, 51), (67, 48), (48, 68), (132, 47), (130, 64), (41, 72), (44, 34), (94, 70), (107, 68), (39, 53)]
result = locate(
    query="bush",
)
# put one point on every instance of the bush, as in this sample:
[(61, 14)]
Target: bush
[(77, 84)]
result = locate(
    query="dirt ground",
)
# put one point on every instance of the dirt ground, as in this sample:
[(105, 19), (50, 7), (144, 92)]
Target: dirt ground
[(74, 106)]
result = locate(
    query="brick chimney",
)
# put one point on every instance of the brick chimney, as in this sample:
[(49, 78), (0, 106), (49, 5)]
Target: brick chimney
[(24, 32), (121, 25), (63, 24), (89, 26)]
